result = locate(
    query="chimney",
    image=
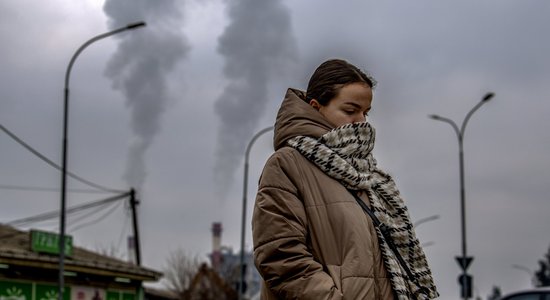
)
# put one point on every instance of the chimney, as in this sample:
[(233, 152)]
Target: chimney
[(216, 257)]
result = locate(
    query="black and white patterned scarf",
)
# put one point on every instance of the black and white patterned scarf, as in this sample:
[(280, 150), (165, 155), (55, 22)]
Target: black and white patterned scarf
[(345, 154)]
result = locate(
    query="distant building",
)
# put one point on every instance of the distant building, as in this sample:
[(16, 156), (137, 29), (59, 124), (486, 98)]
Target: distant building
[(208, 285), (29, 270), (227, 263)]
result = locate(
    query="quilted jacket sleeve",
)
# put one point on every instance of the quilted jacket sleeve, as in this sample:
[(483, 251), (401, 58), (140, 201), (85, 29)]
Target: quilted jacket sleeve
[(279, 226)]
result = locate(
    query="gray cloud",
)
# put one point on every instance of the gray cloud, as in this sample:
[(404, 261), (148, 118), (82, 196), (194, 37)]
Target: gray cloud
[(437, 57), (257, 45), (141, 68)]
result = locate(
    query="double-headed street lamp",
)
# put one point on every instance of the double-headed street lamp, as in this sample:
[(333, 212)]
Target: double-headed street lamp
[(245, 188), (463, 261), (64, 148), (425, 220), (527, 270), (422, 221)]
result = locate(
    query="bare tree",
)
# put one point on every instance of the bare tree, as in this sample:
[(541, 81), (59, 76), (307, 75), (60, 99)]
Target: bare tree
[(180, 270), (229, 272), (542, 275), (495, 293)]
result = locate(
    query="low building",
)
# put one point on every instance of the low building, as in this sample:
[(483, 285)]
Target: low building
[(29, 270), (228, 265), (207, 284)]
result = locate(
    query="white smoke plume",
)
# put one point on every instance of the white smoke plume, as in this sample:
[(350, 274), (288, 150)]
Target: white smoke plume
[(257, 45), (141, 66)]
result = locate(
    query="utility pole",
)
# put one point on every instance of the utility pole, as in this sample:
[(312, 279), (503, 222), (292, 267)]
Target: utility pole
[(133, 204)]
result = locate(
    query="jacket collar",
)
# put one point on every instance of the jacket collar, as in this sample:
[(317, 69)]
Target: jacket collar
[(298, 118)]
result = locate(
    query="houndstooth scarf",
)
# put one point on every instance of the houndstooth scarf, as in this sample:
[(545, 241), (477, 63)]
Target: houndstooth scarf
[(345, 154)]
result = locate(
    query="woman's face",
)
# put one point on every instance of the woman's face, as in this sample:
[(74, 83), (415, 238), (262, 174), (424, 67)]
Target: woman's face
[(351, 104)]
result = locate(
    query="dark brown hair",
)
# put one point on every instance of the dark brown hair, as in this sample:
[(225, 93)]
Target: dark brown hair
[(331, 76)]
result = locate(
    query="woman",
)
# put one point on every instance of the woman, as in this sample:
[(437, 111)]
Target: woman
[(312, 238)]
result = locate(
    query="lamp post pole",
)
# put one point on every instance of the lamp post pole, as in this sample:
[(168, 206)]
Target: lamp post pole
[(245, 188), (463, 261), (64, 148)]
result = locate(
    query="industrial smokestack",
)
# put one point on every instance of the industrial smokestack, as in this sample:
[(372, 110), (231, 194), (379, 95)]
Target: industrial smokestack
[(216, 258)]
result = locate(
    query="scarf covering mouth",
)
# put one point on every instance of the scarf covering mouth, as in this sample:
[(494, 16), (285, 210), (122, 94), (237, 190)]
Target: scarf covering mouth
[(345, 154)]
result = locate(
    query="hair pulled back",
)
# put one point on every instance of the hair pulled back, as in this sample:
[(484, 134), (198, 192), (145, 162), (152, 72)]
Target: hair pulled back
[(331, 76)]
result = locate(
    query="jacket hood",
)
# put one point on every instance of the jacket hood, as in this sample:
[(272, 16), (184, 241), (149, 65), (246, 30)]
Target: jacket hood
[(296, 117)]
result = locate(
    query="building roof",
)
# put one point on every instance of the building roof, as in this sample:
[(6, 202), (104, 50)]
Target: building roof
[(207, 284), (152, 293), (15, 249)]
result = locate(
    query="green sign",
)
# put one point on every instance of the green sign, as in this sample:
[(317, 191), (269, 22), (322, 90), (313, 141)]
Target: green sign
[(50, 292), (15, 291), (111, 295), (47, 242), (128, 296)]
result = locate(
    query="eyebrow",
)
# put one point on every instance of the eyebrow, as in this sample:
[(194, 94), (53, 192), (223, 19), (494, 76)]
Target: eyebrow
[(356, 105)]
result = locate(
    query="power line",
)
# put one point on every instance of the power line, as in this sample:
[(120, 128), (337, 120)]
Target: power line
[(46, 189), (82, 216), (123, 229), (51, 163), (109, 212), (55, 214)]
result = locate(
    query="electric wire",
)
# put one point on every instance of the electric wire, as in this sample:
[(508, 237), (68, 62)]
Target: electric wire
[(51, 163), (46, 189), (102, 217), (56, 226), (123, 227), (82, 216), (76, 215), (55, 214)]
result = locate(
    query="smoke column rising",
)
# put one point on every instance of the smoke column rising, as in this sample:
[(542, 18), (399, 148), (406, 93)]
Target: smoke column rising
[(257, 45), (141, 66)]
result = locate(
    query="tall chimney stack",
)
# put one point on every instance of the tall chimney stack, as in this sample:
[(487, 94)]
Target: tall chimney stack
[(216, 245)]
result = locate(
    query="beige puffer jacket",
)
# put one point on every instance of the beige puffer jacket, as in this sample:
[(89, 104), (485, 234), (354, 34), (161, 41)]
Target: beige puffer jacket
[(311, 239)]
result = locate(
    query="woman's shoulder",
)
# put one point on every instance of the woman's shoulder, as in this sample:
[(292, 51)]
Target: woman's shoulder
[(286, 162), (286, 155)]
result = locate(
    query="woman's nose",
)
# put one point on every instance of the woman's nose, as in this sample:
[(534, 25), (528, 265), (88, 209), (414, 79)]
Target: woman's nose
[(361, 118)]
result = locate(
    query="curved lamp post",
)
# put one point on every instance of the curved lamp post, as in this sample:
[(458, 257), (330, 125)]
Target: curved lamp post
[(527, 270), (424, 220), (463, 261), (245, 187), (64, 147)]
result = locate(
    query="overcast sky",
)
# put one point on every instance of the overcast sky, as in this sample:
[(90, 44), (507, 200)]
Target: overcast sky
[(170, 108)]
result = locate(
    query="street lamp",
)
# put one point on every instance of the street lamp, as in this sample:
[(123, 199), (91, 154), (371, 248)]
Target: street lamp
[(245, 187), (64, 147), (527, 270), (424, 220), (463, 261)]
